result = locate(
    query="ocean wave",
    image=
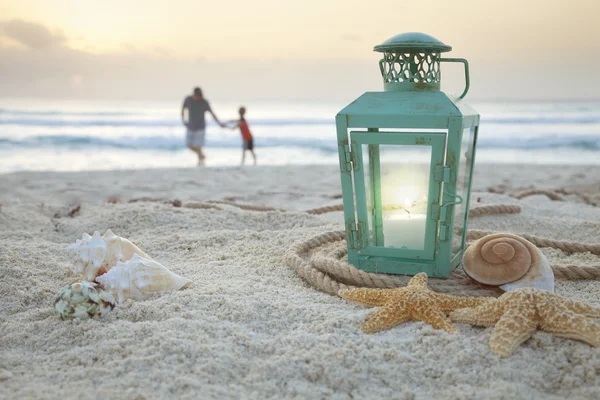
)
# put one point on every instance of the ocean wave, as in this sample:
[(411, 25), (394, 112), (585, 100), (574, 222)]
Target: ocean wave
[(57, 113), (588, 142), (145, 123), (172, 143), (167, 143), (542, 120), (53, 119)]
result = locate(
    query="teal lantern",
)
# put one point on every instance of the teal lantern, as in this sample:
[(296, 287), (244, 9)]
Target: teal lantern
[(406, 161)]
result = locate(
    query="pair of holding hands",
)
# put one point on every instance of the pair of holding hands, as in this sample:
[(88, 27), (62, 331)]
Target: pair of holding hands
[(221, 124)]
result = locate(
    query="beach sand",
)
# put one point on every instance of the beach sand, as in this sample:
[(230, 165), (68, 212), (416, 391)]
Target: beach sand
[(249, 327)]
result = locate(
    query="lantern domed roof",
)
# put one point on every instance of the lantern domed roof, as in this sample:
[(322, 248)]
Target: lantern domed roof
[(412, 41)]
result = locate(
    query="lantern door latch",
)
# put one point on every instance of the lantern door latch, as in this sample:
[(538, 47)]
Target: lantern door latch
[(444, 214)]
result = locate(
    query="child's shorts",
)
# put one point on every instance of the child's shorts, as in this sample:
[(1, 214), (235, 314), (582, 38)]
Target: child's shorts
[(249, 144)]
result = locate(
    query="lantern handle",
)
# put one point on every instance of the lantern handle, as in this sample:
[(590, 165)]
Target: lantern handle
[(467, 81)]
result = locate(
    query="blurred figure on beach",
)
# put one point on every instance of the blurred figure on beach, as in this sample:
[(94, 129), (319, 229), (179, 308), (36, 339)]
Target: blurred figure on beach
[(196, 106), (247, 138)]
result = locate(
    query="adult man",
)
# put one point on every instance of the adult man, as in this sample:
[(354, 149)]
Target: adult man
[(196, 105)]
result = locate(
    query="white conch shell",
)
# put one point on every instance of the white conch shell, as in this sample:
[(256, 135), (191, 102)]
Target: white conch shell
[(95, 255), (509, 262), (140, 279)]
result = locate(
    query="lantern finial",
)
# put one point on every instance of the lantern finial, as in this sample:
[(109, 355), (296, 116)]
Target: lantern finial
[(412, 41)]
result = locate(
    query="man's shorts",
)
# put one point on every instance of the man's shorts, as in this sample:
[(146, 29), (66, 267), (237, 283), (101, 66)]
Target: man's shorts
[(249, 144), (195, 138)]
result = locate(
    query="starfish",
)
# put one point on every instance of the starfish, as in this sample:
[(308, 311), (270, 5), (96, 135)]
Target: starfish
[(519, 313), (415, 302)]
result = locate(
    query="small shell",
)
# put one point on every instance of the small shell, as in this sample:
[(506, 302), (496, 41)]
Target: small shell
[(83, 300), (140, 279), (509, 262), (95, 255)]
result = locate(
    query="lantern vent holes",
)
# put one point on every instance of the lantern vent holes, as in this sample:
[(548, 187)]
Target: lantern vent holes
[(418, 67)]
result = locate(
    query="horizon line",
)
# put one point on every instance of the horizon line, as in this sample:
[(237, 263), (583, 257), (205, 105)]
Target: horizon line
[(278, 99)]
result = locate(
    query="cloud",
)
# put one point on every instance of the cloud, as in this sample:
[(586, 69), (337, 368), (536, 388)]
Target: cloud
[(64, 72), (31, 34), (43, 65)]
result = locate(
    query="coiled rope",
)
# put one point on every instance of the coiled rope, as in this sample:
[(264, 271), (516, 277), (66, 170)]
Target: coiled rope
[(329, 272), (321, 262)]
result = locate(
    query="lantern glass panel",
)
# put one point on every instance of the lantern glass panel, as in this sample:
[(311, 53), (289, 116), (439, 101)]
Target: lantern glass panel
[(462, 186), (401, 189)]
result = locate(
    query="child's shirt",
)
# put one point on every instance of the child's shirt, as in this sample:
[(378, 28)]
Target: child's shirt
[(246, 135)]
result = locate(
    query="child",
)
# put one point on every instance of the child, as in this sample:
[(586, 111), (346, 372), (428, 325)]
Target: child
[(246, 135)]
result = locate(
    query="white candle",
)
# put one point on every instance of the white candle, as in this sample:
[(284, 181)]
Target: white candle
[(401, 229)]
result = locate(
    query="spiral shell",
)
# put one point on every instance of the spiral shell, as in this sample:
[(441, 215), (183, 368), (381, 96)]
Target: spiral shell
[(509, 262), (83, 300), (95, 255), (140, 279)]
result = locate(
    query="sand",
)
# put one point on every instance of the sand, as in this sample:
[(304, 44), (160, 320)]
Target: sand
[(249, 327)]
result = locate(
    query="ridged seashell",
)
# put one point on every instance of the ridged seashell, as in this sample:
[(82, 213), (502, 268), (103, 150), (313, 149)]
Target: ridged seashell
[(141, 278), (83, 300), (95, 255), (509, 262)]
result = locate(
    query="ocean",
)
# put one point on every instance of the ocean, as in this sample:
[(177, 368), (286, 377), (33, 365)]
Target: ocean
[(61, 135)]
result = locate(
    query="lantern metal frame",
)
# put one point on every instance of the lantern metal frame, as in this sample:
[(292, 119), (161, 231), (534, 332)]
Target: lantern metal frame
[(410, 112)]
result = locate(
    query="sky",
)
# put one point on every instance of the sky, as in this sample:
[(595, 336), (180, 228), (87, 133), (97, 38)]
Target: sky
[(274, 49)]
